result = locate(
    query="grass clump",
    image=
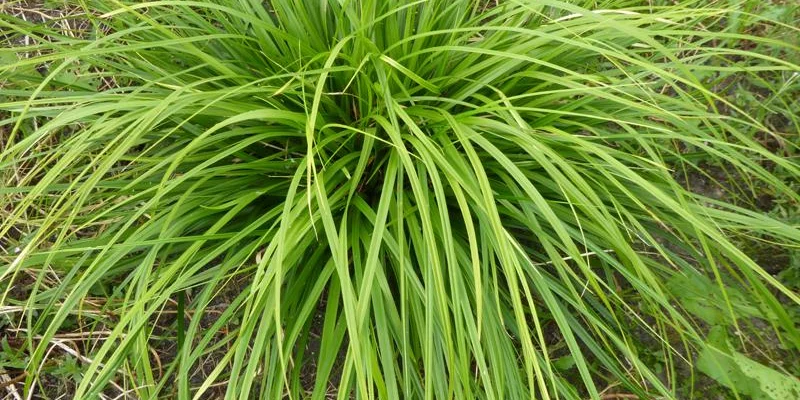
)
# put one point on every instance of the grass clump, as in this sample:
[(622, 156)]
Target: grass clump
[(393, 199)]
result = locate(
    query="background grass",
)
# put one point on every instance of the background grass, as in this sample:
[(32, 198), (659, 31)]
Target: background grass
[(400, 199)]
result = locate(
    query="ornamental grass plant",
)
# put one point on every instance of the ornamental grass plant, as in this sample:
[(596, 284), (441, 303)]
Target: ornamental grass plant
[(398, 199)]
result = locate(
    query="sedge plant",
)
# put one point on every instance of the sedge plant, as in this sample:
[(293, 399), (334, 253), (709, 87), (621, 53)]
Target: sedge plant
[(385, 199)]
